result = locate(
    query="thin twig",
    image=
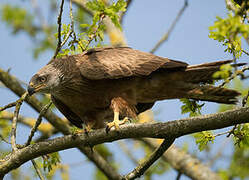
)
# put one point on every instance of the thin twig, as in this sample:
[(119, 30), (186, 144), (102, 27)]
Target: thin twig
[(223, 133), (93, 35), (58, 48), (178, 177), (14, 122), (128, 3), (245, 52), (38, 122), (3, 139), (37, 170), (235, 74), (140, 169), (72, 20), (244, 101), (8, 106), (71, 27), (166, 36)]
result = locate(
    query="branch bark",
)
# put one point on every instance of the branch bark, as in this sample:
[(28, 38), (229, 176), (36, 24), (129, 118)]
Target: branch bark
[(167, 130), (184, 163)]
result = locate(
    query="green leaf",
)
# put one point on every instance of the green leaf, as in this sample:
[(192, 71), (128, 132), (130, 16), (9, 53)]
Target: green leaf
[(202, 139), (229, 31), (19, 19), (96, 5), (224, 73), (191, 107), (51, 160)]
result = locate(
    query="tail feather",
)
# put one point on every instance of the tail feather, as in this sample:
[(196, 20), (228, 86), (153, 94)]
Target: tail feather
[(203, 73), (186, 83), (213, 94)]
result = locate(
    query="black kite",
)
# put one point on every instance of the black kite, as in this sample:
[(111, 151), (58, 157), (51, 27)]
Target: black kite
[(103, 83)]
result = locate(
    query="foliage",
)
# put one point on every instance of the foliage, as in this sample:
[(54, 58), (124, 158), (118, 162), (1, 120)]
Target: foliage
[(19, 19), (240, 163), (191, 107), (203, 138), (100, 8), (229, 31), (50, 160), (94, 31), (241, 135), (90, 32), (224, 73)]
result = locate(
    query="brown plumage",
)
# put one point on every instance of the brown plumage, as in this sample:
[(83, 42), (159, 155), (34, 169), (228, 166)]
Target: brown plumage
[(90, 87)]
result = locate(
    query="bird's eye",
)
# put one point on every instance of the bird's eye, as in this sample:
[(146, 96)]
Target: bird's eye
[(42, 79)]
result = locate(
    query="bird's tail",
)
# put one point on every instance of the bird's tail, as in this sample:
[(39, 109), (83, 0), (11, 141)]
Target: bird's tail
[(213, 94), (204, 72), (189, 83)]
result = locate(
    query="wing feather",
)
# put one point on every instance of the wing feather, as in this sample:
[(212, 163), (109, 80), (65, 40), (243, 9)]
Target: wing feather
[(65, 110), (120, 62)]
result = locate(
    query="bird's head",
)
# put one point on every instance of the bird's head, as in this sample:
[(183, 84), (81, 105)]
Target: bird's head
[(45, 80)]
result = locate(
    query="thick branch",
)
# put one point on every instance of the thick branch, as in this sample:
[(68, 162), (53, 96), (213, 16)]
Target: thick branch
[(184, 163), (167, 130)]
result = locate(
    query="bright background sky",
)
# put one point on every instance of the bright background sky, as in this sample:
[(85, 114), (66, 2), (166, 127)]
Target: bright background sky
[(144, 24)]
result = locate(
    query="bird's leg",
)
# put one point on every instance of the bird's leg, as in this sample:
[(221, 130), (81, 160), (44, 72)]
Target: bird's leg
[(116, 105), (88, 127), (116, 122)]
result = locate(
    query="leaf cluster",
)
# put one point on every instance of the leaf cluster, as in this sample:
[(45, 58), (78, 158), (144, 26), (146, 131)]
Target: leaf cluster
[(203, 138), (229, 31), (224, 72), (101, 9), (191, 106), (50, 160), (19, 19)]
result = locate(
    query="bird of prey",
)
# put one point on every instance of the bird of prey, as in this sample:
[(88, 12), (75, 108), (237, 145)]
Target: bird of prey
[(113, 82)]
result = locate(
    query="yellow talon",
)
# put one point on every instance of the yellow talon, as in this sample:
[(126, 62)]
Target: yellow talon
[(116, 122)]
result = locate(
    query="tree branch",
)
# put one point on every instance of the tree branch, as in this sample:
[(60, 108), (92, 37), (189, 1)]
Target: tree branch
[(166, 36), (121, 18), (115, 34), (14, 121), (184, 163), (10, 105), (58, 48), (167, 130), (141, 168), (37, 170), (44, 128), (38, 122)]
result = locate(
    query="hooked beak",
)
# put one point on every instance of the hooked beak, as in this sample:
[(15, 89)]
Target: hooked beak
[(31, 90)]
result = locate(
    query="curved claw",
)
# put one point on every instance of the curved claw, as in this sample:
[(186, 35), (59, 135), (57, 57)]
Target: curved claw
[(116, 123)]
